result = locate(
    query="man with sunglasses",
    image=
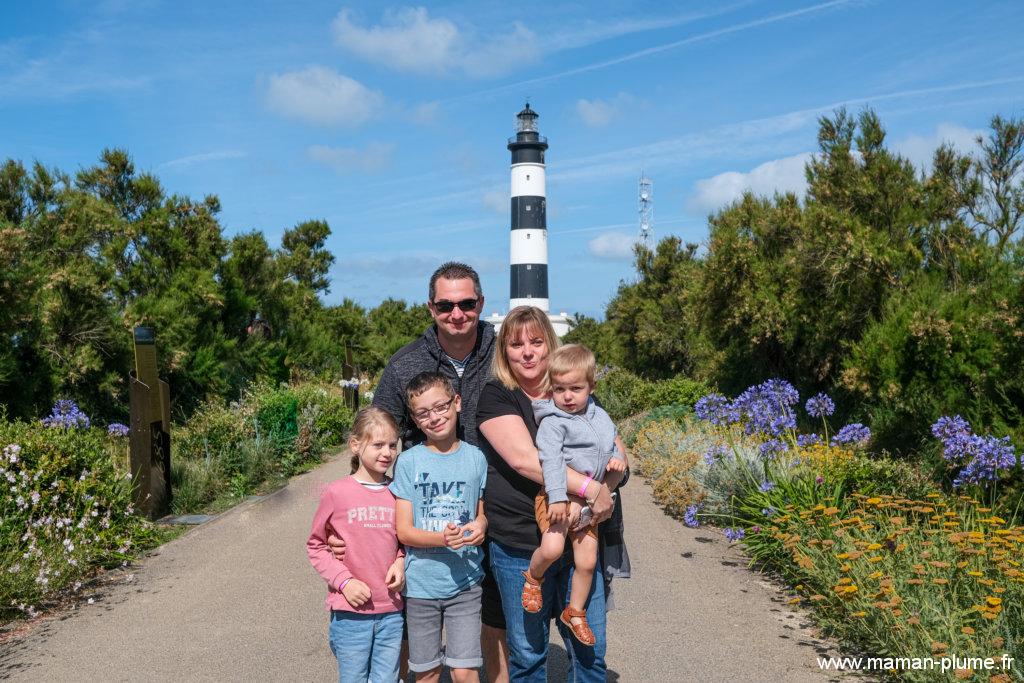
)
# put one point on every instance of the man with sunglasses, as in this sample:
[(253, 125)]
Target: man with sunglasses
[(458, 345)]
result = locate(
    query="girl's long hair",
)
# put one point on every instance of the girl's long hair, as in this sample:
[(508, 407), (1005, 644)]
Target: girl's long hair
[(365, 422)]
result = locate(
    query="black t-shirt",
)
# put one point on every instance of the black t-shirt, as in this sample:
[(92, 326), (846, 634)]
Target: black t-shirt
[(509, 496)]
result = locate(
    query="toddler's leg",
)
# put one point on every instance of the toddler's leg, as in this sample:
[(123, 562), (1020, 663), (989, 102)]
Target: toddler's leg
[(552, 543), (584, 555)]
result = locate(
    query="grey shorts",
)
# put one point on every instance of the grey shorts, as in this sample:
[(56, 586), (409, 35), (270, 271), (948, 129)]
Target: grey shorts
[(459, 616)]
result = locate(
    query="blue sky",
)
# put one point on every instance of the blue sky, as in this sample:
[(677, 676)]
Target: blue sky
[(390, 121)]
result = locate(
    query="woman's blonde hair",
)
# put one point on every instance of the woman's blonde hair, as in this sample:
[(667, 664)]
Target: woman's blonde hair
[(365, 422), (518, 319)]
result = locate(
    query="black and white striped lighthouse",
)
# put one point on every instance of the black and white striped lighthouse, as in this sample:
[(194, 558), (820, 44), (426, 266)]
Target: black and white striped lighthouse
[(529, 248)]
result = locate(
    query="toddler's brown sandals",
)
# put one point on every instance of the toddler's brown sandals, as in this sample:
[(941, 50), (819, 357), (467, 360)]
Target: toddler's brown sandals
[(533, 599), (580, 629)]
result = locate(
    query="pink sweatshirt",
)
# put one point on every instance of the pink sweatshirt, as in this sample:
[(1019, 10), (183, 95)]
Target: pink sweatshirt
[(365, 520)]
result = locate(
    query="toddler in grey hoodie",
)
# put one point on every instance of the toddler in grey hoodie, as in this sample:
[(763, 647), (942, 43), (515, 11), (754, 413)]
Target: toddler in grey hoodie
[(573, 432)]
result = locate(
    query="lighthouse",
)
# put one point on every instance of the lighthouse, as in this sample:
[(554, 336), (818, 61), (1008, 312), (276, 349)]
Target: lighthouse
[(529, 239), (528, 246)]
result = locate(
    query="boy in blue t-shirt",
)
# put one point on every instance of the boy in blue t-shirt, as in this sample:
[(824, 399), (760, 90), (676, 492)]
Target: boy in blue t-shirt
[(439, 515)]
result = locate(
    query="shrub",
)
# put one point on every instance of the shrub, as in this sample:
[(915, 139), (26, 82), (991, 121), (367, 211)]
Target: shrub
[(66, 510), (622, 393), (903, 576), (226, 452), (665, 454), (678, 391)]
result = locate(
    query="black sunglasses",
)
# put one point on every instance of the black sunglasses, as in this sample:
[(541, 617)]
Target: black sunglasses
[(465, 305)]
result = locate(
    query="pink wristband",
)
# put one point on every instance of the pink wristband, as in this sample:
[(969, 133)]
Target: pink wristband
[(342, 586), (583, 489)]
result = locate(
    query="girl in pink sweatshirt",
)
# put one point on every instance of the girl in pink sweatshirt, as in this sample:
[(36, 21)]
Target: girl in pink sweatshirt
[(364, 592)]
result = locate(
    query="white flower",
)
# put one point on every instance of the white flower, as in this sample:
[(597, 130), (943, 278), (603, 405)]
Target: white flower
[(35, 497), (128, 475), (78, 584), (90, 601)]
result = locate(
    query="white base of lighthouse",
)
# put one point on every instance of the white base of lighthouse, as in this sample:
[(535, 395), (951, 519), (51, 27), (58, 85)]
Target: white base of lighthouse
[(562, 322)]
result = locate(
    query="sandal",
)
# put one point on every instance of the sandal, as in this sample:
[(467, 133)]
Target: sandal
[(581, 630), (532, 599)]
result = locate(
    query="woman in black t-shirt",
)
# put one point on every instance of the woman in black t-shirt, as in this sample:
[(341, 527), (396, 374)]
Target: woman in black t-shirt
[(514, 478)]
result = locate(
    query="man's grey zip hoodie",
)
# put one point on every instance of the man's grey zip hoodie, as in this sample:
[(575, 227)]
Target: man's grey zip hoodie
[(425, 354)]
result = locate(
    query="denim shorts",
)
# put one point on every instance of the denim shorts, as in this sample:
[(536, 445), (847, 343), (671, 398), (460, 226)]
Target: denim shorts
[(367, 646), (459, 616)]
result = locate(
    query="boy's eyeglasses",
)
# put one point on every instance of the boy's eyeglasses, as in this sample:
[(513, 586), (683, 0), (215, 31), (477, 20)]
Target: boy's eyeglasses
[(466, 305), (439, 409)]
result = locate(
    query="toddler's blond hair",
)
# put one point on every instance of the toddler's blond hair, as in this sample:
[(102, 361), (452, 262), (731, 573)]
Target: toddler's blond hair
[(570, 358)]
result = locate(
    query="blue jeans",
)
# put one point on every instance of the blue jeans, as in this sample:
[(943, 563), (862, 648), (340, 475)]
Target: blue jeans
[(527, 634), (366, 646)]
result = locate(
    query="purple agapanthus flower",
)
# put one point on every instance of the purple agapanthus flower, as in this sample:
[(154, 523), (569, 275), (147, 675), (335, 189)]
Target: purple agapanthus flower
[(854, 433), (767, 408), (715, 453), (66, 415), (820, 405), (734, 534), (769, 449), (690, 517), (716, 409), (805, 440), (769, 511), (118, 429), (985, 456), (765, 486), (949, 428), (991, 455)]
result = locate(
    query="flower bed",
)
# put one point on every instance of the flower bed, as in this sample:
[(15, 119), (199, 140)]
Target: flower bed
[(886, 558), (66, 510)]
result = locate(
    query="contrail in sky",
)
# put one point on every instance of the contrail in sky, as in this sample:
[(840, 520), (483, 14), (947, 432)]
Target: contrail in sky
[(655, 50)]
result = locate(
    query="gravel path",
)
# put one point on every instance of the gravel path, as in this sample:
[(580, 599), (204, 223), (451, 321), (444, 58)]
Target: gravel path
[(236, 599)]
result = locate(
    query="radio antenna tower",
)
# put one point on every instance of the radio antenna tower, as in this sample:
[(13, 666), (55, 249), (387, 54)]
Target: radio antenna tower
[(645, 205)]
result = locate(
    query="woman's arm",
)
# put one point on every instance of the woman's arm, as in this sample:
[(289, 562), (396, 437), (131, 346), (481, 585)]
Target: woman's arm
[(510, 438)]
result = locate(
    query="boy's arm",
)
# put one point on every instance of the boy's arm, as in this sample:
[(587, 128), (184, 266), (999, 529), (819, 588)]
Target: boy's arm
[(409, 535), (550, 437), (477, 528), (333, 571)]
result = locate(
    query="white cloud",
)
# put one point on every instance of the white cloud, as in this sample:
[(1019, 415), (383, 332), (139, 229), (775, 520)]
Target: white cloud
[(597, 113), (612, 245), (408, 39), (787, 174), (322, 96), (778, 175), (374, 157), (919, 149)]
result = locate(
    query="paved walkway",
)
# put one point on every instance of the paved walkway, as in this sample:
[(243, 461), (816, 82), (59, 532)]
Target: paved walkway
[(236, 600)]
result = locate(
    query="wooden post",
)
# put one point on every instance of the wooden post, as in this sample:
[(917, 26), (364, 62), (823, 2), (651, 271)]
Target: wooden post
[(350, 371), (150, 430)]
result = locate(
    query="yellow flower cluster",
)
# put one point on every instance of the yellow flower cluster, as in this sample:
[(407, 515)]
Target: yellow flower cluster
[(911, 572)]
